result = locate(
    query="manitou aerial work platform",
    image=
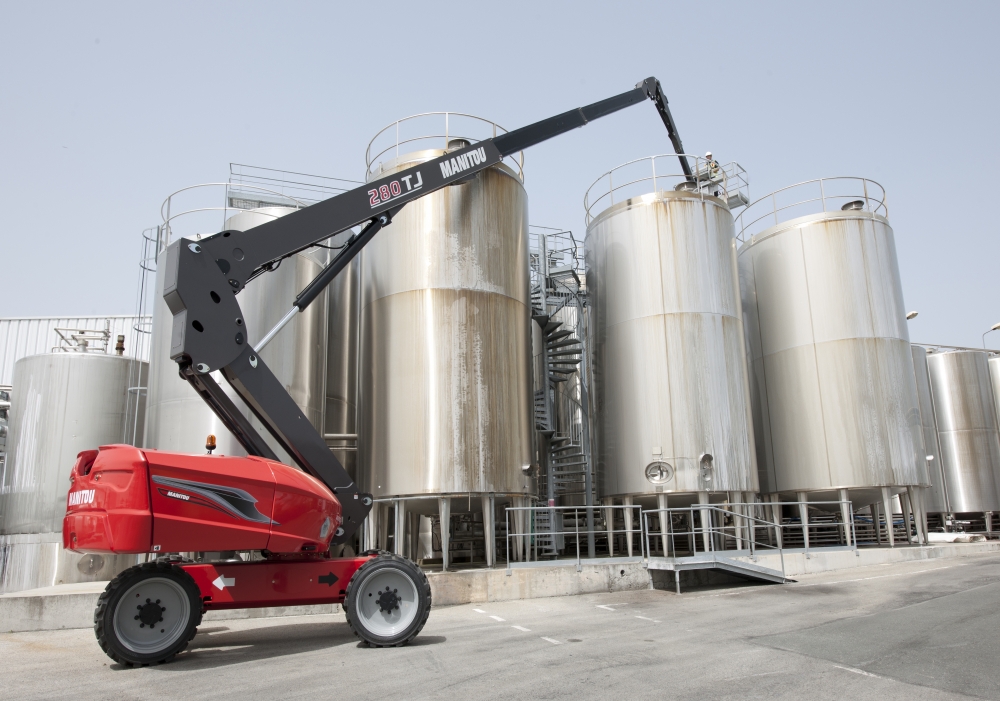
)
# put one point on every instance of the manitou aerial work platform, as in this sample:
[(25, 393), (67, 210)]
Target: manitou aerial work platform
[(130, 500)]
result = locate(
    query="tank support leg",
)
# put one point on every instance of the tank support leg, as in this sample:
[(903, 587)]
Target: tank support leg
[(705, 525), (778, 517), (904, 503), (371, 530), (739, 525), (988, 516), (876, 522), (802, 498), (627, 512), (383, 526), (919, 516), (846, 515), (399, 528), (413, 542), (887, 505), (488, 529), (664, 522), (609, 521), (444, 510)]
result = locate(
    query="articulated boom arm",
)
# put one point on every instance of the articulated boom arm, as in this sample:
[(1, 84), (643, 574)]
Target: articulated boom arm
[(204, 277)]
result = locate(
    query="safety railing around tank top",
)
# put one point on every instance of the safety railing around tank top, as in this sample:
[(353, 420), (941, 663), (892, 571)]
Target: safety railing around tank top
[(541, 535), (941, 347), (427, 131), (645, 177), (192, 213), (839, 193)]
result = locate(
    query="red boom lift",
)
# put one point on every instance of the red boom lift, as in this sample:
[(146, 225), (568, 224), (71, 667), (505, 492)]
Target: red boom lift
[(130, 500)]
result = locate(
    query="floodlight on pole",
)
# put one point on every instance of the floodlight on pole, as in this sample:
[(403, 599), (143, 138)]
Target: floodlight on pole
[(995, 327)]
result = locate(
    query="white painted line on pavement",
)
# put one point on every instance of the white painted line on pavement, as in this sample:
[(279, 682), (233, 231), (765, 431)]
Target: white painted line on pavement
[(647, 619), (857, 671), (522, 629), (606, 608), (478, 610), (750, 676), (497, 618), (550, 640), (880, 576)]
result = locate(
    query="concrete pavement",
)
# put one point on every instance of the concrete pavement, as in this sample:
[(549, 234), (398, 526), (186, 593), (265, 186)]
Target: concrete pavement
[(914, 630)]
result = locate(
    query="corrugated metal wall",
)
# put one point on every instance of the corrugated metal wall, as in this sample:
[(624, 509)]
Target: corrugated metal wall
[(32, 335)]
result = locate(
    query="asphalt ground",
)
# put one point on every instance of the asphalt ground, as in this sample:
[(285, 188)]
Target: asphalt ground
[(918, 630)]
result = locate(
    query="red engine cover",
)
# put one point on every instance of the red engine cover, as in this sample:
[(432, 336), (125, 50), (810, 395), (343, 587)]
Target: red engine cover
[(107, 508), (126, 500)]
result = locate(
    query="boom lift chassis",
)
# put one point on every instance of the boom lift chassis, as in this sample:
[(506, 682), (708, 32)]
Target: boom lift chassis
[(202, 281)]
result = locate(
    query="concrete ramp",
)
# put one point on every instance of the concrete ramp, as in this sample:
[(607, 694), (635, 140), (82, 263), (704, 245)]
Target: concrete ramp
[(718, 561)]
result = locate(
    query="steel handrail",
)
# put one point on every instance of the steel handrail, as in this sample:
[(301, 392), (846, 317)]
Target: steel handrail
[(579, 511), (698, 173), (880, 199), (707, 533), (166, 202), (369, 159)]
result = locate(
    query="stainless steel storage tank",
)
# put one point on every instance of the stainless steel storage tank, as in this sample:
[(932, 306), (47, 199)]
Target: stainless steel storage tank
[(672, 410), (178, 419), (833, 392), (63, 403), (446, 377), (966, 419)]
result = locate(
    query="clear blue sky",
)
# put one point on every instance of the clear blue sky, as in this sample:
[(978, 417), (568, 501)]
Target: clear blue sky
[(105, 108)]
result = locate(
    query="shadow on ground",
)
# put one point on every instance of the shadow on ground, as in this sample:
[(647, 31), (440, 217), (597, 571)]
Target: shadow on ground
[(220, 646)]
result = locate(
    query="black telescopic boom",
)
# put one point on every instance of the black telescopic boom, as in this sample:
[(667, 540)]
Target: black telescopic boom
[(202, 280)]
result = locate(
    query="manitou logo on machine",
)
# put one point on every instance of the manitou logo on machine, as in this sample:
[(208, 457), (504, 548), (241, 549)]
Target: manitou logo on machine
[(83, 496), (392, 190), (463, 162)]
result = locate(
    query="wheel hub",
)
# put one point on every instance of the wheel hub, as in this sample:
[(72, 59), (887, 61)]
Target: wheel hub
[(150, 613), (388, 600)]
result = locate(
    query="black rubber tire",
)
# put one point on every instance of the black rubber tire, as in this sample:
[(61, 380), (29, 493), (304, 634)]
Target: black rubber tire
[(109, 601), (386, 560)]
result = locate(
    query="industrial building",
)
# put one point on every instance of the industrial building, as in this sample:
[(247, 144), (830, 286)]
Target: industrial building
[(696, 374)]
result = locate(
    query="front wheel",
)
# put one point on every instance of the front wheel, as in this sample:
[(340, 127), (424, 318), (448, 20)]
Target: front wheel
[(388, 601), (147, 614)]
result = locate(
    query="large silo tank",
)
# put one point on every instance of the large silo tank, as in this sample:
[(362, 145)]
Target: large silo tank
[(834, 396), (446, 378), (179, 420), (63, 403), (672, 413), (966, 419)]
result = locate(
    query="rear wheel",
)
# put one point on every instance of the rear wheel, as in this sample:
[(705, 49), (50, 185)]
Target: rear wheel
[(388, 601), (147, 614)]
